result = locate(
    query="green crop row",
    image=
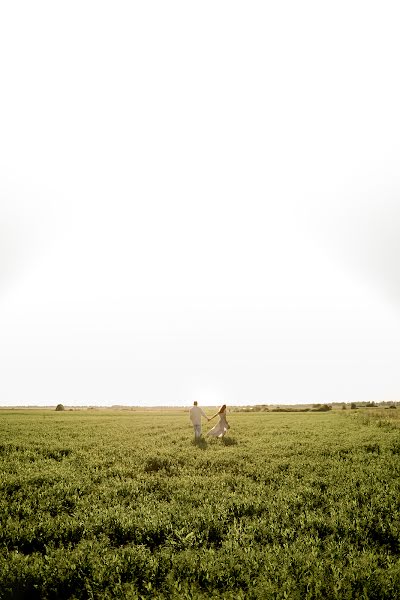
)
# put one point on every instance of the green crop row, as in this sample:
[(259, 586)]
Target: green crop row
[(125, 505)]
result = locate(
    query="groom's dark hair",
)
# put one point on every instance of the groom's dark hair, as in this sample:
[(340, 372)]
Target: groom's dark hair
[(195, 403)]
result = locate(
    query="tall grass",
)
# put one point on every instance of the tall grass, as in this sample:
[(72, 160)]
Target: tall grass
[(98, 504)]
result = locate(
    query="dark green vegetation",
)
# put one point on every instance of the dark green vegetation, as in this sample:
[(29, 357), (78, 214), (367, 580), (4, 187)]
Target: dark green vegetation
[(97, 504)]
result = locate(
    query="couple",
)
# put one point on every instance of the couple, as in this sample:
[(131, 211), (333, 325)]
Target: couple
[(220, 428)]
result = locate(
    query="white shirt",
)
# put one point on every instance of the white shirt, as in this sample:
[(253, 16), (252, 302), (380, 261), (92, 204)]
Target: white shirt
[(195, 415)]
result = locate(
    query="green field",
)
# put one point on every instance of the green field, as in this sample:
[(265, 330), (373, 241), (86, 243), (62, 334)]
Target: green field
[(98, 504)]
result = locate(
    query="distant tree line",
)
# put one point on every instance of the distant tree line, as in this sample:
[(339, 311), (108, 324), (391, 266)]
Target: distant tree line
[(319, 407)]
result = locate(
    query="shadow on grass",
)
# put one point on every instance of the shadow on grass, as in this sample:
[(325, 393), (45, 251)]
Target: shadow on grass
[(225, 441), (229, 441), (200, 443)]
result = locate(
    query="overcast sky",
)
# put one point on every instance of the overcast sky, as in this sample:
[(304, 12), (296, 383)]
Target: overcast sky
[(199, 200)]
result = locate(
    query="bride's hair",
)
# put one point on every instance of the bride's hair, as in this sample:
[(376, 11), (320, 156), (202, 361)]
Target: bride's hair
[(223, 407)]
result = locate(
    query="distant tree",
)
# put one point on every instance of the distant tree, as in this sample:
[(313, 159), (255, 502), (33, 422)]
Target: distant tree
[(60, 407), (353, 405), (343, 407)]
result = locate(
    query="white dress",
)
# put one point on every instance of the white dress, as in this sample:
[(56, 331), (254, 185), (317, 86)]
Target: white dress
[(221, 427)]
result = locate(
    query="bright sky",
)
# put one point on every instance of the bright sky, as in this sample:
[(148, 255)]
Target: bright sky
[(199, 200)]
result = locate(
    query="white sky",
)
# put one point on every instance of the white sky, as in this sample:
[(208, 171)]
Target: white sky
[(199, 200)]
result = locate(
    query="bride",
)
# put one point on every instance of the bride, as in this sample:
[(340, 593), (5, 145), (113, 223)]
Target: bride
[(222, 426)]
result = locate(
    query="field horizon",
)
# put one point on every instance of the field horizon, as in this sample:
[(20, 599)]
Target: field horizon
[(183, 407)]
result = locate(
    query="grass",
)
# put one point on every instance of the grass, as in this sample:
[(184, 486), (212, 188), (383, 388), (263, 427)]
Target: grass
[(98, 504)]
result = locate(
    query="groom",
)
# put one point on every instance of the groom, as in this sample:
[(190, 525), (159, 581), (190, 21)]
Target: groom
[(195, 414)]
